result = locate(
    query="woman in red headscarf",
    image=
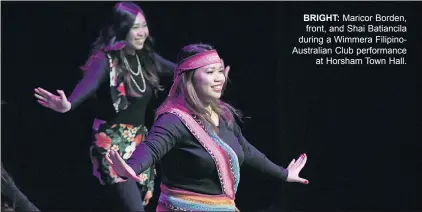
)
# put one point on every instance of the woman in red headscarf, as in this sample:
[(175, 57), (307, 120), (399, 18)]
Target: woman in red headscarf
[(196, 137)]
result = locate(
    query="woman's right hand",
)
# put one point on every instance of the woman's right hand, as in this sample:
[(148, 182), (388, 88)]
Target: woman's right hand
[(120, 167), (54, 102)]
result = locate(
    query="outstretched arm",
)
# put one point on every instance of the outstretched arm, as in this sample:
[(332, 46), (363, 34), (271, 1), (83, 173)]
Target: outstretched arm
[(165, 67), (96, 69), (163, 136), (96, 72), (257, 160)]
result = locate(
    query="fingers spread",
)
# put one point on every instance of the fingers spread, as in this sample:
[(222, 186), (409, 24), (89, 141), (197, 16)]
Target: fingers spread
[(44, 92), (107, 156), (113, 157), (298, 161), (45, 104), (303, 162), (62, 94), (40, 97), (303, 181), (116, 157), (291, 163)]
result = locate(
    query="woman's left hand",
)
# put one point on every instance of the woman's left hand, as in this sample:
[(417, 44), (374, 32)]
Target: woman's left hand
[(148, 196), (294, 169)]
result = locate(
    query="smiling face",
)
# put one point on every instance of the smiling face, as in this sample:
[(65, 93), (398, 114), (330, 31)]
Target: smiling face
[(138, 33), (209, 81)]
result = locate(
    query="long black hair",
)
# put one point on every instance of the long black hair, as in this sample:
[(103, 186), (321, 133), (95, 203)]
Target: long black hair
[(115, 32)]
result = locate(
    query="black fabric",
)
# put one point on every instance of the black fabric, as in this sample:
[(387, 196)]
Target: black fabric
[(126, 196), (97, 81), (14, 197), (186, 164)]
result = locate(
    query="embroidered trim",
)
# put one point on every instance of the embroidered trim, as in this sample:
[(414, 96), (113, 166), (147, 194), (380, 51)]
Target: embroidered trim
[(225, 150)]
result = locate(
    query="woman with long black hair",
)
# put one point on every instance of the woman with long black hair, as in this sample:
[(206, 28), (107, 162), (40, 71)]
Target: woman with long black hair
[(123, 72)]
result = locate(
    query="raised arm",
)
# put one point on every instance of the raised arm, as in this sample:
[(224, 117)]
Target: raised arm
[(165, 133), (165, 67), (257, 160), (96, 72)]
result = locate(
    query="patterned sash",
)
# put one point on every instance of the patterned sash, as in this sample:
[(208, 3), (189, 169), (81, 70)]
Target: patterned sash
[(174, 199)]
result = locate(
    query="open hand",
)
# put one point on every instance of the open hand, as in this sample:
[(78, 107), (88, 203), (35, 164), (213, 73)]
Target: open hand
[(295, 167), (57, 103), (120, 166)]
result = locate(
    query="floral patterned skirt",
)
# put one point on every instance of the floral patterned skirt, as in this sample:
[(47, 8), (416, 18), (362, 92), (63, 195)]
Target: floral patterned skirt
[(122, 138)]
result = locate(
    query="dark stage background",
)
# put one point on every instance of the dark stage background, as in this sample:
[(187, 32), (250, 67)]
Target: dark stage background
[(359, 125)]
